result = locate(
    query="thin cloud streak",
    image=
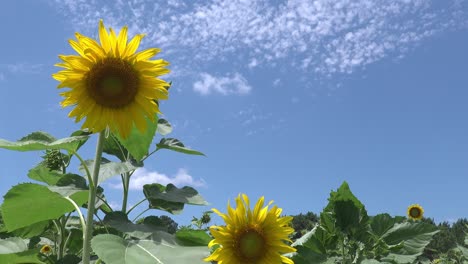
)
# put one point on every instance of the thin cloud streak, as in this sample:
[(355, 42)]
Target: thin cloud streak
[(225, 85)]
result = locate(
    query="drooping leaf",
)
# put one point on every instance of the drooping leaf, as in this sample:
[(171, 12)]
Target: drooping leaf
[(119, 221), (42, 141), (109, 169), (170, 198), (116, 250), (164, 127), (30, 203), (139, 143), (413, 237), (176, 145)]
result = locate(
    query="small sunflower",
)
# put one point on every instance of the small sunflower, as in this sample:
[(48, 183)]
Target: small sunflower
[(251, 237), (46, 249), (415, 212), (111, 85)]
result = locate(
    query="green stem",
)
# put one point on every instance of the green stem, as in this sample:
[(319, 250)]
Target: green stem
[(88, 174), (92, 200), (140, 214), (133, 207), (125, 183)]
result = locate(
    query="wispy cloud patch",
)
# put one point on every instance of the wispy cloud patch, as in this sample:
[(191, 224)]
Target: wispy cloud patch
[(144, 176), (234, 84), (20, 68), (322, 36)]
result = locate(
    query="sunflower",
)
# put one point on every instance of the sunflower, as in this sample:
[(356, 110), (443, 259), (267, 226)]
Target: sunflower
[(415, 212), (46, 249), (112, 85), (248, 237)]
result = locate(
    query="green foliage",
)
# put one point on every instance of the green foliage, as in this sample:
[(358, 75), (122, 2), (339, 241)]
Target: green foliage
[(43, 141), (204, 220), (171, 199), (303, 223), (137, 143), (176, 145), (28, 203), (162, 249), (346, 234), (109, 169)]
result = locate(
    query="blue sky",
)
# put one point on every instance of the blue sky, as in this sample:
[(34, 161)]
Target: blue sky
[(286, 98)]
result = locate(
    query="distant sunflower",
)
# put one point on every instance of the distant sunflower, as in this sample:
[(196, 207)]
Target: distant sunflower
[(256, 237), (415, 212), (111, 85), (46, 249)]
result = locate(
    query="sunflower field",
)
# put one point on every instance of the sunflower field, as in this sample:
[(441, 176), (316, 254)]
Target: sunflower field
[(65, 218)]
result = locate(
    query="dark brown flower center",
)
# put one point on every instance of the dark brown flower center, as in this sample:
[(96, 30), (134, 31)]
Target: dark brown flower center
[(415, 212), (250, 245), (112, 83)]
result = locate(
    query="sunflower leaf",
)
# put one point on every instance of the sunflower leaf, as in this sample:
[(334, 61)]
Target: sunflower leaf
[(414, 237), (138, 143), (30, 203), (170, 198), (43, 174), (176, 145), (109, 169), (43, 141), (164, 127), (162, 250), (119, 221)]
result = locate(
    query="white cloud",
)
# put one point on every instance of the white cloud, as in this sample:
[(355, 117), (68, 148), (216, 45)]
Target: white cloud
[(143, 176), (235, 84), (276, 82), (19, 68), (321, 36)]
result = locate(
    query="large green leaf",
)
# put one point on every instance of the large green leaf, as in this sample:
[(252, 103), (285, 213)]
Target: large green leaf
[(14, 250), (109, 169), (24, 257), (381, 223), (343, 194), (176, 145), (30, 203), (113, 147), (43, 174), (171, 198), (32, 230), (13, 245), (164, 127), (116, 250), (43, 141), (139, 143), (414, 237), (347, 215)]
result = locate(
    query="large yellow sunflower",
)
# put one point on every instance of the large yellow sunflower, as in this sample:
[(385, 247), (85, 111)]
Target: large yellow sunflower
[(415, 212), (248, 237), (111, 85)]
